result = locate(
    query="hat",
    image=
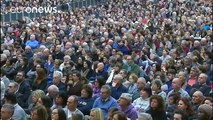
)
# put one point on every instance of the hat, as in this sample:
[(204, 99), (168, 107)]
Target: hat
[(126, 96), (207, 109)]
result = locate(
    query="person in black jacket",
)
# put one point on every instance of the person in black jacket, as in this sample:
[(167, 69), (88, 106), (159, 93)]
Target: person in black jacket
[(157, 108)]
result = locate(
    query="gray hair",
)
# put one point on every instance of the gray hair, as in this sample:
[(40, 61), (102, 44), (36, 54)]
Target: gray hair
[(9, 107), (144, 116), (107, 87)]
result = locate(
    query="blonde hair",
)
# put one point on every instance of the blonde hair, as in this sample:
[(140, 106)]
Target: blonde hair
[(38, 93), (98, 113)]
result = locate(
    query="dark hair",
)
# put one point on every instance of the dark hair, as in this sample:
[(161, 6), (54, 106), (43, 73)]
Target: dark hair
[(41, 112), (183, 114), (64, 97), (61, 114), (11, 97), (78, 74), (47, 102), (176, 96), (88, 89), (160, 102), (148, 90), (100, 80), (208, 98), (189, 109), (121, 115)]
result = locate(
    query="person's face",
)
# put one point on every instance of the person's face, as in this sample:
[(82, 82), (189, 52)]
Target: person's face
[(144, 94), (56, 79), (154, 87), (154, 103), (11, 88), (92, 116), (175, 84), (71, 103), (39, 102), (140, 84), (201, 79), (122, 102), (181, 105), (85, 65), (131, 79), (104, 93), (171, 100), (5, 114), (34, 99), (208, 102), (115, 117), (54, 115), (201, 115), (58, 100), (177, 117), (19, 77), (75, 77), (196, 98), (34, 115), (84, 93)]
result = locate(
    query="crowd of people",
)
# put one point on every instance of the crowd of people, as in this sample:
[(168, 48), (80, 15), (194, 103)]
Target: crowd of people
[(128, 59)]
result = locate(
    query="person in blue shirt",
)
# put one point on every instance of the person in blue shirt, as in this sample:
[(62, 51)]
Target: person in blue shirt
[(33, 43), (105, 101), (117, 87), (85, 102)]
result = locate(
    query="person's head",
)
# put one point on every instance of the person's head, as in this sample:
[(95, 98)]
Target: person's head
[(156, 85), (57, 76), (146, 92), (176, 83), (7, 111), (32, 37), (125, 100), (45, 101), (100, 66), (129, 59), (105, 91), (40, 74), (157, 102), (77, 116), (20, 76), (58, 114), (117, 80), (36, 95), (118, 115), (10, 98), (208, 101), (61, 98), (96, 114), (76, 76), (86, 91), (202, 78), (197, 97), (53, 90), (144, 116), (99, 82), (180, 115), (133, 78), (141, 83), (205, 112), (174, 98), (194, 71), (184, 104), (13, 87), (111, 111), (72, 102), (39, 113)]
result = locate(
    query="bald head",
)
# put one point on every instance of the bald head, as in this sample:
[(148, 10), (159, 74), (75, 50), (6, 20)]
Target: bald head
[(176, 83), (197, 97), (202, 78)]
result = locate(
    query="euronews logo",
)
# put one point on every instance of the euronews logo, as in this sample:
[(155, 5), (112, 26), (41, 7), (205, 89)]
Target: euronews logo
[(33, 10)]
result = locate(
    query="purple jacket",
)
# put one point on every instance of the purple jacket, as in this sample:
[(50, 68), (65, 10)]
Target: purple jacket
[(130, 112)]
